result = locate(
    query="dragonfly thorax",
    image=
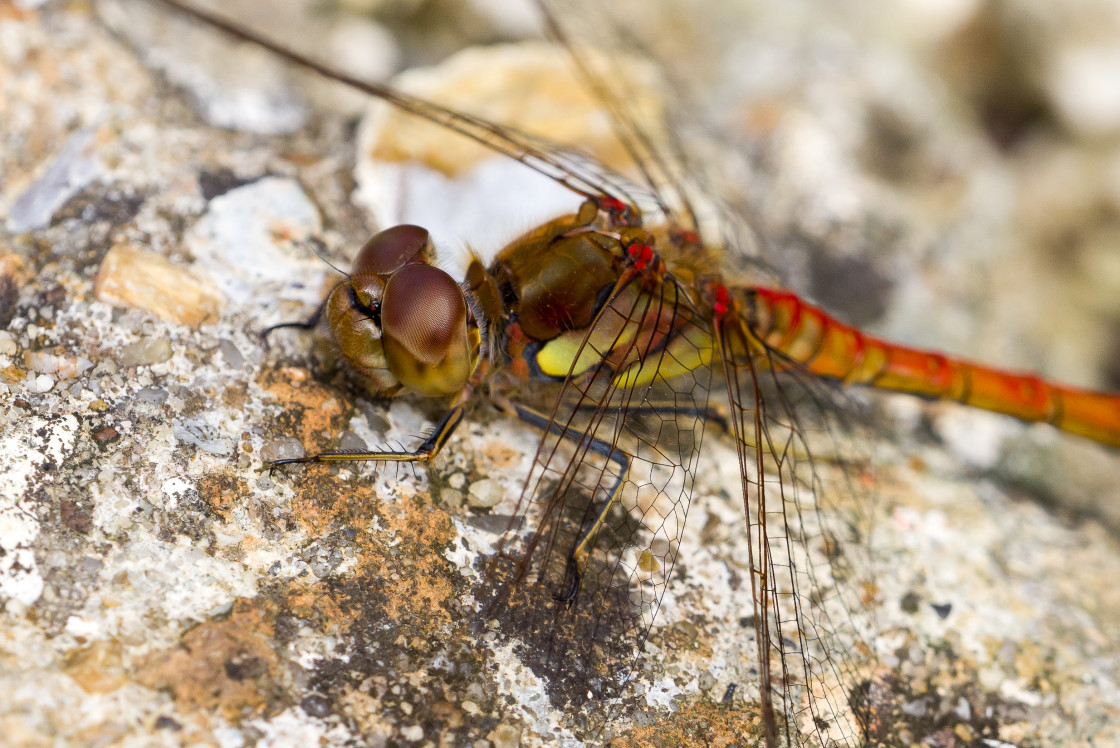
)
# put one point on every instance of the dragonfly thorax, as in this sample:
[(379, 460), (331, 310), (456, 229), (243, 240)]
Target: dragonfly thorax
[(543, 291)]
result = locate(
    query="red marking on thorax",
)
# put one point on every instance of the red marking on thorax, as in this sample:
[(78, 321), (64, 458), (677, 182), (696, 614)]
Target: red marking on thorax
[(641, 254), (612, 204), (723, 301)]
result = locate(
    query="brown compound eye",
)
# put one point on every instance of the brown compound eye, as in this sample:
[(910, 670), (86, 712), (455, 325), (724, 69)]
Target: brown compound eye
[(430, 339), (391, 249)]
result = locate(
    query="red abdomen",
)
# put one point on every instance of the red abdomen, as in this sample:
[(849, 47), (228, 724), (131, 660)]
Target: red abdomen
[(809, 336)]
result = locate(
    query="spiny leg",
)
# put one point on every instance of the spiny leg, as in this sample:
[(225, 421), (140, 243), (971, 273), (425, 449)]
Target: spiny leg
[(708, 414), (427, 450), (599, 447)]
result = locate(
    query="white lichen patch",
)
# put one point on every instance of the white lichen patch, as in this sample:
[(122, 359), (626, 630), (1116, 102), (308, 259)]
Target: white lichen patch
[(252, 240), (533, 703), (151, 589), (28, 445), (295, 727)]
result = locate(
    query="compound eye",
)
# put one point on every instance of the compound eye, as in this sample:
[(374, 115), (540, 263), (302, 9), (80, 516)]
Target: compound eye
[(426, 327), (425, 310), (389, 250)]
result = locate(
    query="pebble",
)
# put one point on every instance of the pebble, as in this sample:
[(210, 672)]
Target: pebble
[(199, 433), (964, 732), (73, 168), (413, 732), (68, 368), (316, 706), (139, 279), (231, 354), (145, 352), (284, 448), (152, 395), (1082, 85), (505, 736), (448, 714), (485, 493), (42, 362), (106, 434), (41, 384), (237, 87), (990, 678), (251, 236), (706, 680), (530, 86), (916, 708), (451, 498)]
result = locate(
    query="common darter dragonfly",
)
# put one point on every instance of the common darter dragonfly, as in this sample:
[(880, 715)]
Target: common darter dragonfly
[(630, 354)]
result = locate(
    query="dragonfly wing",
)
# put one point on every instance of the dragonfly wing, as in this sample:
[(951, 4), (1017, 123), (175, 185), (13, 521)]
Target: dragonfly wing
[(598, 51), (607, 495), (564, 164), (598, 179), (800, 565), (700, 183)]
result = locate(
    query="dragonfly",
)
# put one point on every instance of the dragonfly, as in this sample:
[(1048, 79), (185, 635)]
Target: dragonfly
[(633, 326)]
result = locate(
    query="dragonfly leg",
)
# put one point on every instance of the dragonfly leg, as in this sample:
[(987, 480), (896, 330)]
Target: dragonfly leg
[(603, 449), (427, 450), (583, 547), (569, 595), (709, 413), (308, 324)]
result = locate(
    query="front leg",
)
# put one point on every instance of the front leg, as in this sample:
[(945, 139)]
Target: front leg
[(426, 452)]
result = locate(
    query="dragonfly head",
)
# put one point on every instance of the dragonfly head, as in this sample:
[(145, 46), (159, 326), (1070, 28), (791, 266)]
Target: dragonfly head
[(401, 321)]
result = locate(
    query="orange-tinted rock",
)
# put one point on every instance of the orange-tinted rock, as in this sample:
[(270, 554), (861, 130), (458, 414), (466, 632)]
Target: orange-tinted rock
[(530, 86), (137, 278)]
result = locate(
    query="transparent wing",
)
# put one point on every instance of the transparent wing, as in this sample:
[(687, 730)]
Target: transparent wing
[(566, 165), (597, 179), (663, 195), (690, 184), (607, 496), (646, 142), (804, 541)]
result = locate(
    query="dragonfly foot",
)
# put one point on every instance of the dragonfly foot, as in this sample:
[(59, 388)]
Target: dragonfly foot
[(569, 595), (272, 466)]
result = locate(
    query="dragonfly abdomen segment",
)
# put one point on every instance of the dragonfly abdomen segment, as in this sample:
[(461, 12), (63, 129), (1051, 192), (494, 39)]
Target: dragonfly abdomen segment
[(807, 335)]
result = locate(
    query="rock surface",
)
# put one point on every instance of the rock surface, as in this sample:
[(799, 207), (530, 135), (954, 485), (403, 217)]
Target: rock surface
[(158, 587)]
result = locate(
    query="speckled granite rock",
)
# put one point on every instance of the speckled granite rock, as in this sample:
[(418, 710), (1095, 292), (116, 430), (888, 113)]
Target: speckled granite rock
[(159, 588)]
